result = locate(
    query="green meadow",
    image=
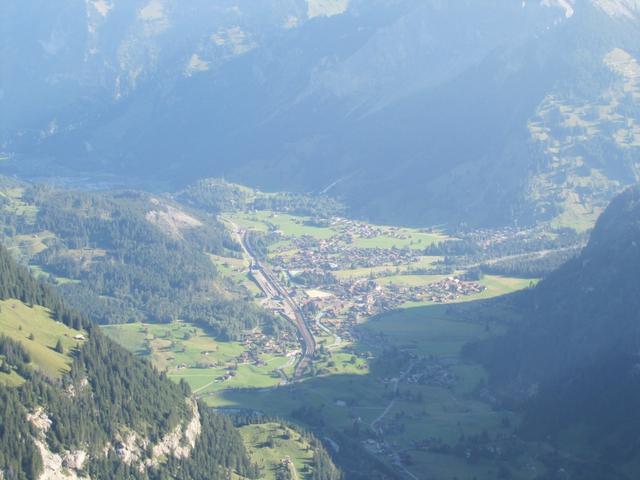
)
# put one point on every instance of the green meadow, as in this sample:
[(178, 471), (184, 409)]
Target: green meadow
[(16, 206), (400, 238), (187, 352), (289, 225), (351, 385), (38, 333), (269, 444), (348, 394), (236, 270)]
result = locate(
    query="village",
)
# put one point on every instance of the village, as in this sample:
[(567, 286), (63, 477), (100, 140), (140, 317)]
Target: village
[(337, 253), (344, 304), (257, 347), (309, 269)]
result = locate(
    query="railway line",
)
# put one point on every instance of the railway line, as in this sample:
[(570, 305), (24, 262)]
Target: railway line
[(272, 288)]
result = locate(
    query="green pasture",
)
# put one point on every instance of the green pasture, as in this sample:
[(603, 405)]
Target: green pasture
[(20, 322), (188, 352), (268, 444)]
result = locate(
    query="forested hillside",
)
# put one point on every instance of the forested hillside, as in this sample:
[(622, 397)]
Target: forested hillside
[(129, 256), (217, 195), (572, 363), (109, 416)]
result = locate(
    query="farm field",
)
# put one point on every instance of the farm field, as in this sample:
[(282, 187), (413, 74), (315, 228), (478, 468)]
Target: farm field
[(38, 333), (440, 409), (401, 238), (289, 225), (292, 226), (274, 447), (187, 352), (495, 286), (15, 204), (396, 381), (31, 244), (422, 262), (235, 270)]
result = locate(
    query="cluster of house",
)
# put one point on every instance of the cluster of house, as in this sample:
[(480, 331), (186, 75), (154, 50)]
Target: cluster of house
[(355, 229), (434, 375), (259, 342), (378, 449), (486, 238), (228, 375), (333, 254), (340, 306), (363, 297), (255, 345), (446, 290)]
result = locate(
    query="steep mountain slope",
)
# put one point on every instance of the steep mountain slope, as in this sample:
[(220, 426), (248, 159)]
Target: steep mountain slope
[(129, 256), (590, 306), (574, 357), (109, 415), (486, 112)]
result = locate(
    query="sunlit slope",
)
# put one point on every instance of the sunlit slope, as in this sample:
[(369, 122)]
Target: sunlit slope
[(39, 334)]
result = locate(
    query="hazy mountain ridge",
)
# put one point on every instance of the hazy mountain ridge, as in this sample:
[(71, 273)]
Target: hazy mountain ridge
[(572, 363), (587, 308), (356, 96)]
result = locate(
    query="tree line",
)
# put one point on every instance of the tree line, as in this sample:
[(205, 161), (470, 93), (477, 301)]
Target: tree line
[(107, 393), (117, 266)]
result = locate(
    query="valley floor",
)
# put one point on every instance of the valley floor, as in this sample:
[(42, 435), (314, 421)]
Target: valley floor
[(389, 323)]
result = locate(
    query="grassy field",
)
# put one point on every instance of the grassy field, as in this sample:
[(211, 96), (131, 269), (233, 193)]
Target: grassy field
[(400, 238), (345, 394), (20, 322), (410, 280), (422, 262), (236, 270), (437, 327), (289, 225), (352, 385), (495, 286), (188, 352), (420, 411), (31, 244), (16, 206), (427, 330), (295, 226), (269, 444), (11, 379)]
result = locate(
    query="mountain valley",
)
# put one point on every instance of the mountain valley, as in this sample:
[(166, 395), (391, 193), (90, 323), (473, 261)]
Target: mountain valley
[(319, 240)]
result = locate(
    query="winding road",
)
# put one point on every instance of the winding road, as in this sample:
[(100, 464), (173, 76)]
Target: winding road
[(375, 425)]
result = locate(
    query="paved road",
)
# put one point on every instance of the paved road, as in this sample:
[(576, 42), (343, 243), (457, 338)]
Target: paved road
[(375, 425), (533, 255), (272, 287)]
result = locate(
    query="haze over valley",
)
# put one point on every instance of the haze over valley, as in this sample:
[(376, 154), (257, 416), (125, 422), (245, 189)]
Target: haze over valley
[(319, 239)]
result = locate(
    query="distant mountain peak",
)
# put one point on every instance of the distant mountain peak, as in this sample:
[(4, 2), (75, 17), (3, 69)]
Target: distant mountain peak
[(619, 8), (103, 7), (326, 8), (566, 5), (614, 8)]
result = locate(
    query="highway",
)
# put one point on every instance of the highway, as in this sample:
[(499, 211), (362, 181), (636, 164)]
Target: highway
[(272, 288)]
